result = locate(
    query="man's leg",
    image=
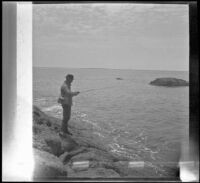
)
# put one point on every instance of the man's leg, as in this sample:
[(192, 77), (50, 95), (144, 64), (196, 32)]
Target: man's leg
[(66, 117)]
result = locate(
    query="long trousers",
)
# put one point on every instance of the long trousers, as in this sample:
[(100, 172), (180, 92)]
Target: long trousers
[(66, 117)]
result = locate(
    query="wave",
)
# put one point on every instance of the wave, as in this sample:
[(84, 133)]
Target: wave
[(80, 114), (83, 115), (54, 108), (99, 134), (92, 123), (39, 99), (116, 147), (57, 111)]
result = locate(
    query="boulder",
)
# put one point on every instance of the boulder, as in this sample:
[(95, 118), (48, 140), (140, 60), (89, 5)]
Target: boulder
[(95, 173), (65, 157), (55, 145), (68, 144), (119, 79), (58, 156), (59, 145), (41, 118), (169, 82), (37, 129), (103, 164), (47, 166), (40, 144), (93, 155), (120, 167), (70, 172)]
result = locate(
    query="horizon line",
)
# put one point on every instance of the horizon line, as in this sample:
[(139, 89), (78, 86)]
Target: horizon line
[(107, 68)]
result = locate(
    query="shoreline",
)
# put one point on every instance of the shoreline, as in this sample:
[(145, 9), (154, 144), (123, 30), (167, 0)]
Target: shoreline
[(65, 153)]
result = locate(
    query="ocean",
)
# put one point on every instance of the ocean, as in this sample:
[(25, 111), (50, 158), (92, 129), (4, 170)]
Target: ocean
[(136, 120)]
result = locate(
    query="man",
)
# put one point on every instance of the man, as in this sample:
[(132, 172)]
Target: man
[(65, 100)]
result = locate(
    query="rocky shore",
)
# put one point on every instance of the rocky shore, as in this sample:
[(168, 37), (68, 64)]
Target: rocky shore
[(77, 156), (73, 156)]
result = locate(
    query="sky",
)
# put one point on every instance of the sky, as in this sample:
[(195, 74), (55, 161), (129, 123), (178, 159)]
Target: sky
[(116, 36)]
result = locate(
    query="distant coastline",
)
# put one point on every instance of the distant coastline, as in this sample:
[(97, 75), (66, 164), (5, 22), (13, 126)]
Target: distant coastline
[(44, 67)]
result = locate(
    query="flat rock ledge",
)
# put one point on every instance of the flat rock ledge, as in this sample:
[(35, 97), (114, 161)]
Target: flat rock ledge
[(76, 156), (58, 158)]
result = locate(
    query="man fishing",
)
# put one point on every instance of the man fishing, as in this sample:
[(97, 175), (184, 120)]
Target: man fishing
[(65, 99)]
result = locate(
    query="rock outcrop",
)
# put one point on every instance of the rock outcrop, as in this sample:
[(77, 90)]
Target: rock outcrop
[(169, 82), (119, 79), (95, 173), (56, 157), (47, 166), (76, 156)]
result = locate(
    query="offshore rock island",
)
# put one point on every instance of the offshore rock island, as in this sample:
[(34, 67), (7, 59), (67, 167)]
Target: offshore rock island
[(169, 82)]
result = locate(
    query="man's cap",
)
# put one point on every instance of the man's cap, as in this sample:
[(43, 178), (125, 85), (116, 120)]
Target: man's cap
[(69, 76)]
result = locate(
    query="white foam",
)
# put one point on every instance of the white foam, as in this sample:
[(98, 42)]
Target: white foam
[(99, 134), (92, 123), (116, 138), (83, 115), (53, 108), (117, 147)]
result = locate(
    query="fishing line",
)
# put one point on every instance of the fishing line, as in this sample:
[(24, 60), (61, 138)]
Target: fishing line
[(96, 89)]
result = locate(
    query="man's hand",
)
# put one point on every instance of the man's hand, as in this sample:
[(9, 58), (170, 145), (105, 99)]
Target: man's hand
[(76, 93), (60, 99)]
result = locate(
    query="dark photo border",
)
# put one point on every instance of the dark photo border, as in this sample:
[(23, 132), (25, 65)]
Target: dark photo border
[(9, 78)]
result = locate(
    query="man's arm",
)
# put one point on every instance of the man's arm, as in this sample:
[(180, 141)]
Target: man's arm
[(66, 91)]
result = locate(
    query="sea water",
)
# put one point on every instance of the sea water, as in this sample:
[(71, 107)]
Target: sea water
[(142, 122)]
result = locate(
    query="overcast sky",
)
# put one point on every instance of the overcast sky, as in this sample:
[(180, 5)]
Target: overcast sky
[(119, 36)]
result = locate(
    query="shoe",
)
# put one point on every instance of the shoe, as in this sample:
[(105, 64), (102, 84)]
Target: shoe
[(61, 134), (69, 133)]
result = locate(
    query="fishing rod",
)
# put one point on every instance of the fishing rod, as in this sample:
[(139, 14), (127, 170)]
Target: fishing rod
[(95, 89), (86, 91)]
